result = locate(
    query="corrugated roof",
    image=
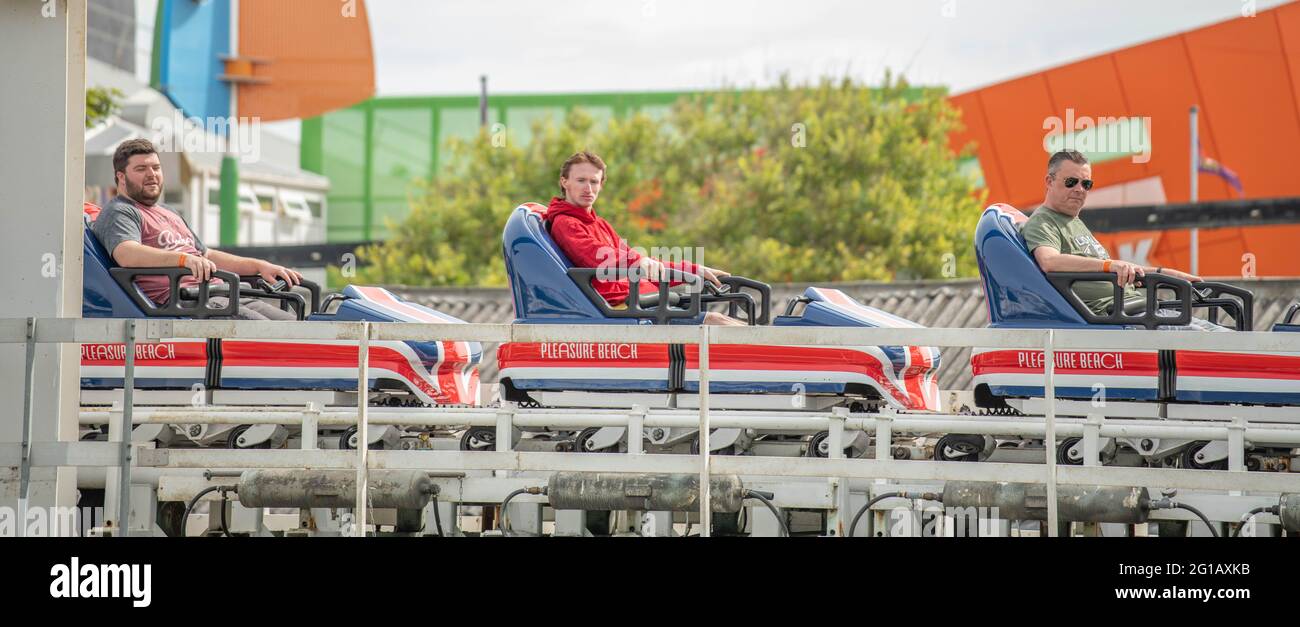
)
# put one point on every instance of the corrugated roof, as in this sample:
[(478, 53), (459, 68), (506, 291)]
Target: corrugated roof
[(936, 304)]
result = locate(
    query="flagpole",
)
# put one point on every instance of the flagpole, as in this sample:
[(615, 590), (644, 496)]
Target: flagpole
[(1196, 168)]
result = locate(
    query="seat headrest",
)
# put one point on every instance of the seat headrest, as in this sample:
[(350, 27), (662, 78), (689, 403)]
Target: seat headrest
[(533, 217), (1009, 220), (539, 211), (1016, 290), (538, 269)]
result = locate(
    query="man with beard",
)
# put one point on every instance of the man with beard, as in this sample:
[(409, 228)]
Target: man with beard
[(138, 232)]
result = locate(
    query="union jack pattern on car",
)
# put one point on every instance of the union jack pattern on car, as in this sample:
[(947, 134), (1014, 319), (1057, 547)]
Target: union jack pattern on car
[(435, 372)]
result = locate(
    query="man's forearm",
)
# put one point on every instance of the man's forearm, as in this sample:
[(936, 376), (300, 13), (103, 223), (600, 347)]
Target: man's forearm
[(242, 266), (1073, 263), (1077, 263), (136, 255)]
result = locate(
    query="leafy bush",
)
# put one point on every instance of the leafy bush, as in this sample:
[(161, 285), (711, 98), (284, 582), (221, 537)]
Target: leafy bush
[(799, 183)]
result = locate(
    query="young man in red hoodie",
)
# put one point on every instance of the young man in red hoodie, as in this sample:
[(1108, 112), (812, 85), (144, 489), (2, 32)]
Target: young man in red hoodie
[(590, 242)]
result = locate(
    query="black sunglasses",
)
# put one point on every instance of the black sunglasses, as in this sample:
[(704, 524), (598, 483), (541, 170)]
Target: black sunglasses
[(1072, 181)]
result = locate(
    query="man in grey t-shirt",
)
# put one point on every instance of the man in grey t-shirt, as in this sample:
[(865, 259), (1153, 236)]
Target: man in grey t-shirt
[(1060, 242), (140, 233)]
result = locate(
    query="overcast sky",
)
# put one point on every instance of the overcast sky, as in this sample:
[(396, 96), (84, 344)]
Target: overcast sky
[(441, 47), (565, 46)]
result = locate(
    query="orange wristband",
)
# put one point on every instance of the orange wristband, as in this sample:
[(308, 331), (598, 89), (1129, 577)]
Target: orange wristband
[(181, 263), (1105, 266)]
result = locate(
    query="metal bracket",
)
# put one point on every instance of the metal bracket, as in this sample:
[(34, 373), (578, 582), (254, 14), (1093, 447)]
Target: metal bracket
[(158, 329), (152, 457)]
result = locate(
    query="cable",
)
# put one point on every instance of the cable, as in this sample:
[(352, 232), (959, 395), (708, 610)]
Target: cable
[(780, 518), (879, 497), (437, 517), (189, 508), (505, 512), (224, 531), (1214, 532), (925, 496), (1168, 504), (1251, 515)]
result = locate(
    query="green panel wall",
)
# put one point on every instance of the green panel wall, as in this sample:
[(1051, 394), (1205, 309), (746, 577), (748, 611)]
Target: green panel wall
[(375, 151)]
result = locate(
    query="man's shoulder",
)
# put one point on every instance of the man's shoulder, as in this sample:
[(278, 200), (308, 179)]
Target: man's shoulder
[(120, 205), (115, 211), (1039, 214), (1042, 229), (1044, 216), (567, 221)]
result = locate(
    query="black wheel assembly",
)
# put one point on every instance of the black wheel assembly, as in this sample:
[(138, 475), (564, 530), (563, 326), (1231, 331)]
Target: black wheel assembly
[(956, 447), (1189, 458), (479, 439)]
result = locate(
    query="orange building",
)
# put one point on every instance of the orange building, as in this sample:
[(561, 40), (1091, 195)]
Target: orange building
[(1129, 111)]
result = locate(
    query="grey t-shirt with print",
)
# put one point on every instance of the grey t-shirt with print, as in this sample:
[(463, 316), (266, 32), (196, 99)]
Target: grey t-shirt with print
[(1069, 235), (120, 221)]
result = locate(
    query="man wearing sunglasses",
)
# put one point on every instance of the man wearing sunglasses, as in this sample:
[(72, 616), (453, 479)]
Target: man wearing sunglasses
[(1060, 241)]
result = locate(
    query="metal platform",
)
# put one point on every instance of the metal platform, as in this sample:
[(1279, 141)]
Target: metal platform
[(821, 493)]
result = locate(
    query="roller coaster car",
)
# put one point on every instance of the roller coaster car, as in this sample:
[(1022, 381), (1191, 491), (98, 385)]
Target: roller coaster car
[(1183, 384), (413, 373), (547, 289), (1020, 295)]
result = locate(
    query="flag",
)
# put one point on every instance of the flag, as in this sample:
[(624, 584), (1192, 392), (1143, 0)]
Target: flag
[(1209, 165)]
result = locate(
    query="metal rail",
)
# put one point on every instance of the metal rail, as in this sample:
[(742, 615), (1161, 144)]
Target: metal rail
[(895, 424), (30, 454)]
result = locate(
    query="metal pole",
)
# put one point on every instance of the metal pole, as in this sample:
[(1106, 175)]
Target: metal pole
[(1194, 244), (706, 515), (310, 427), (229, 195), (841, 500), (25, 473), (635, 430), (1049, 371), (128, 401), (1237, 448), (363, 428), (482, 100), (1092, 440)]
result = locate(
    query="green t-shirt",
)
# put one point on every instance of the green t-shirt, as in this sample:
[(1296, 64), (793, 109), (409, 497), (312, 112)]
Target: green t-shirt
[(1070, 236)]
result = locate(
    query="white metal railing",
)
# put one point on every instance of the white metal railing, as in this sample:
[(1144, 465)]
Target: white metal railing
[(34, 331)]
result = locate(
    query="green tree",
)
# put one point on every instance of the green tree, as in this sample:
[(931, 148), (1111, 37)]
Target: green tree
[(101, 102), (801, 183)]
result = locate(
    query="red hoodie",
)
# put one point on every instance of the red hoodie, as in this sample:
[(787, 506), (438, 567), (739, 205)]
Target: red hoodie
[(590, 242)]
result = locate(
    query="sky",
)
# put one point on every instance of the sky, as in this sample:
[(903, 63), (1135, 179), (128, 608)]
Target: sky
[(427, 47), (442, 47)]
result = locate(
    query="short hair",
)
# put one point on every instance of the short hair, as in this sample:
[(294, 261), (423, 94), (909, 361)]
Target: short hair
[(1074, 156), (584, 156), (128, 149)]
